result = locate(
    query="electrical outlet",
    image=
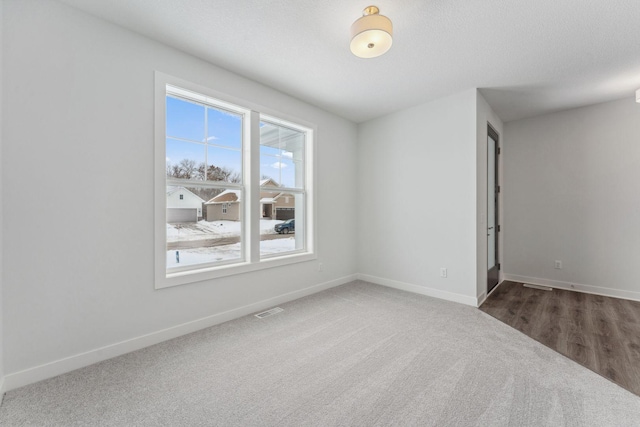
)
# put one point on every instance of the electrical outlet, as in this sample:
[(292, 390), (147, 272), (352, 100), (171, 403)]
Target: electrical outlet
[(443, 272), (558, 265), (320, 266)]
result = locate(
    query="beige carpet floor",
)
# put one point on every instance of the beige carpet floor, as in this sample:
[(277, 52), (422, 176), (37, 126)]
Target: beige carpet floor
[(356, 355)]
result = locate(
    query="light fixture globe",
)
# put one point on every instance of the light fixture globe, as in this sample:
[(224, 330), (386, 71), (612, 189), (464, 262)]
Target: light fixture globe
[(371, 35)]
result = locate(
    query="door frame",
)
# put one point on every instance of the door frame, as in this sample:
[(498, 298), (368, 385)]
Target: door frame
[(493, 274)]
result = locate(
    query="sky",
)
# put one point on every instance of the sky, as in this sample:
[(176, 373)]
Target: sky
[(206, 134)]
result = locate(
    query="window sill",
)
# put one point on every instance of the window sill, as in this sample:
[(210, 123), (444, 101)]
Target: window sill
[(199, 275)]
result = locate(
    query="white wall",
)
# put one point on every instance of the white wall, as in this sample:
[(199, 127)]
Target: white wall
[(1, 192), (417, 198), (484, 115), (572, 193), (81, 96)]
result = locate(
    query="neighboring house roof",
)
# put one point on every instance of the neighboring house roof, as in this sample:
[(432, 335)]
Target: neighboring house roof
[(283, 195), (174, 189), (227, 196), (230, 196), (276, 198), (264, 183)]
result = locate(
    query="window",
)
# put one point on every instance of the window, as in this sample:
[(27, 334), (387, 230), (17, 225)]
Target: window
[(203, 151), (282, 154), (245, 170)]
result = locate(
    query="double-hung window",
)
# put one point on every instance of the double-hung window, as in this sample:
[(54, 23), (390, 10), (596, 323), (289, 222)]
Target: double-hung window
[(282, 162), (243, 177)]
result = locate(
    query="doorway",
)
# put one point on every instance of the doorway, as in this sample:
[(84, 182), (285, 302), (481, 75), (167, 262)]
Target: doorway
[(267, 210), (493, 192)]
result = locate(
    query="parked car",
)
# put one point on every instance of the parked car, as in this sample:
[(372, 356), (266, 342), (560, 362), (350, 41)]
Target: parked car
[(289, 226)]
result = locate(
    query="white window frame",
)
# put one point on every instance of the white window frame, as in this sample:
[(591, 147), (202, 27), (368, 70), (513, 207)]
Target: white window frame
[(251, 260), (224, 208)]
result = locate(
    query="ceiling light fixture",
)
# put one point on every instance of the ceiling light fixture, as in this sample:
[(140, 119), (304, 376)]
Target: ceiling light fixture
[(638, 96), (371, 35)]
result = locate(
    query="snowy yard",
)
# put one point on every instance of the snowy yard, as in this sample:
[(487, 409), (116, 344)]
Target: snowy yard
[(226, 252), (205, 231), (211, 230)]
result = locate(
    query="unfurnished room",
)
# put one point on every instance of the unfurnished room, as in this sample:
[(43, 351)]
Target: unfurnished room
[(337, 213)]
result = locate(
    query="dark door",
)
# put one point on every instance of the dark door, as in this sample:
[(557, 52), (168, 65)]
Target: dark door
[(493, 227)]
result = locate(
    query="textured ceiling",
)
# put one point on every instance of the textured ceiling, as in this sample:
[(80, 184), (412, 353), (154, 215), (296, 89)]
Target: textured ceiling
[(528, 57)]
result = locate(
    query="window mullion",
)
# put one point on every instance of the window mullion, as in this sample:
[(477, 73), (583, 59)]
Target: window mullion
[(291, 190), (223, 185), (252, 179), (206, 143)]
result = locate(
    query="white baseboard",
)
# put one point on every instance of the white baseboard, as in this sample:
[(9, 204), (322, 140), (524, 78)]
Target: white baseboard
[(422, 290), (68, 364), (587, 289), (482, 298), (2, 390)]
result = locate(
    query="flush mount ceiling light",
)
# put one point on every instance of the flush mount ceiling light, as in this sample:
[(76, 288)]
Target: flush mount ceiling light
[(371, 34)]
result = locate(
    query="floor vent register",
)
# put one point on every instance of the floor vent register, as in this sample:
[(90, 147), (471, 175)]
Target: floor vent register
[(268, 313)]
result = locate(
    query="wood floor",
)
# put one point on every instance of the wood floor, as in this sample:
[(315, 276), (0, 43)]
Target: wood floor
[(600, 333)]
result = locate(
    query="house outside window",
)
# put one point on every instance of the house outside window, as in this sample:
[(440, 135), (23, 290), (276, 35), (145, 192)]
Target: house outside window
[(233, 158)]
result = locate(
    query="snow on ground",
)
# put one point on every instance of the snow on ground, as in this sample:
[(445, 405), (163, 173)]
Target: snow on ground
[(211, 230), (227, 252)]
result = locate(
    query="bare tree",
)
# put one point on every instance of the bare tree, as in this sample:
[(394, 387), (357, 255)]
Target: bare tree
[(185, 169), (173, 171), (216, 173), (189, 169)]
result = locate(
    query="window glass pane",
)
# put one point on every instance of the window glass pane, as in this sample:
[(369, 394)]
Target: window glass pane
[(281, 223), (185, 160), (273, 151), (287, 173), (198, 232), (185, 119), (224, 128), (224, 164), (270, 168), (282, 154)]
